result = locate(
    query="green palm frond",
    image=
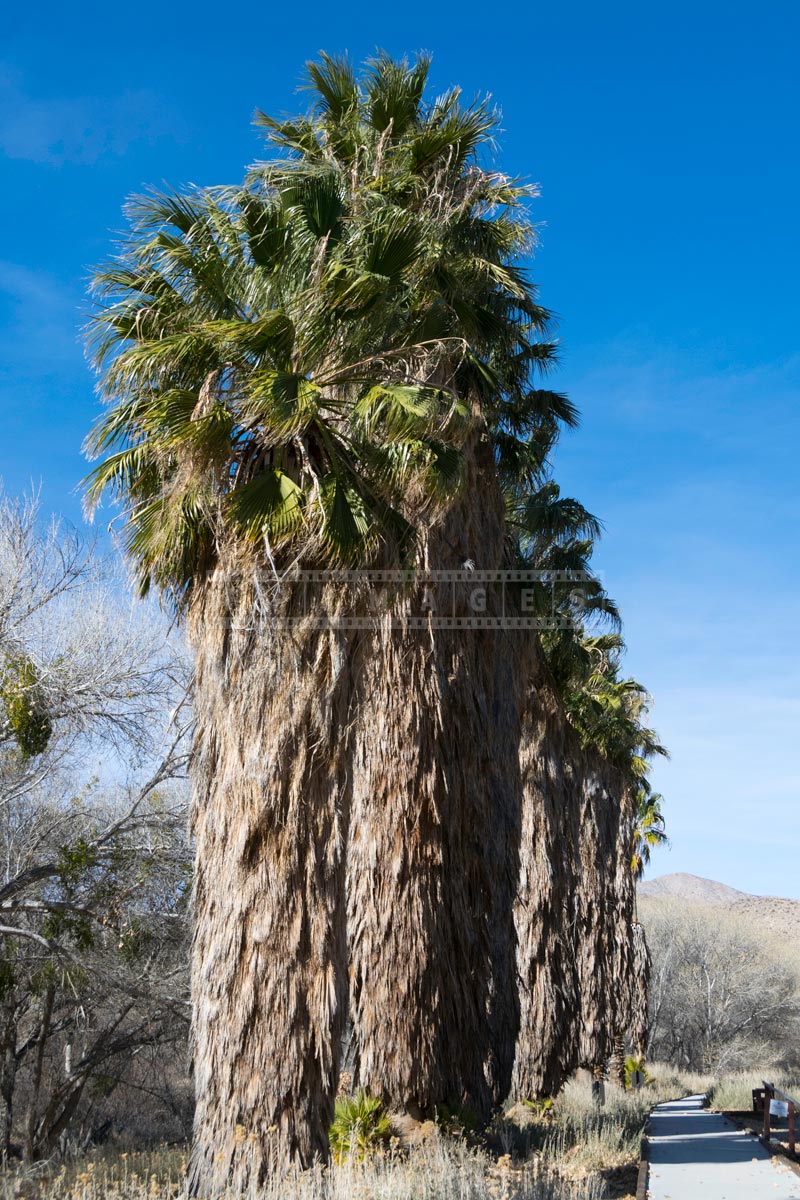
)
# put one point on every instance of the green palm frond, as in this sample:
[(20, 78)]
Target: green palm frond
[(266, 229), (129, 472), (334, 82), (316, 200), (649, 831), (393, 244), (394, 93), (269, 505), (286, 404)]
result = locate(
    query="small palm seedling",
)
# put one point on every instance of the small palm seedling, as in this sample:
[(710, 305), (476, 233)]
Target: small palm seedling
[(635, 1072), (360, 1126), (542, 1109)]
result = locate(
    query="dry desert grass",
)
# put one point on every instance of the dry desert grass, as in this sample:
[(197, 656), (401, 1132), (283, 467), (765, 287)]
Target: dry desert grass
[(576, 1151)]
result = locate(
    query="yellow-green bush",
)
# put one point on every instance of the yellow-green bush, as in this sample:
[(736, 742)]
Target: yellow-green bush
[(360, 1125)]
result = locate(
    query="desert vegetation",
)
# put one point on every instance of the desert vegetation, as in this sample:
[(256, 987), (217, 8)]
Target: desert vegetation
[(95, 864), (725, 989), (568, 1149)]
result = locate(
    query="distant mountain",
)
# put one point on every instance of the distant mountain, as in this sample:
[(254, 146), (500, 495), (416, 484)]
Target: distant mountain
[(774, 915), (691, 888)]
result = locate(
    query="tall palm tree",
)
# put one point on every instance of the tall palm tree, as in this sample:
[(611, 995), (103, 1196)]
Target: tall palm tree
[(648, 832), (332, 365), (579, 955), (609, 714), (564, 848), (429, 898), (633, 961)]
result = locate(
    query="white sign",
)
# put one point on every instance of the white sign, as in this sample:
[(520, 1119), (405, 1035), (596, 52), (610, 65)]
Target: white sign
[(778, 1108)]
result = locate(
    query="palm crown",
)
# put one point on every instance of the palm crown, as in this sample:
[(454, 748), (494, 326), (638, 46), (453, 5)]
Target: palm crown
[(299, 363)]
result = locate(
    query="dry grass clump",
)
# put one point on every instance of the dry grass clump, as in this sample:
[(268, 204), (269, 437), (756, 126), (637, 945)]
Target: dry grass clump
[(576, 1135), (595, 1137), (669, 1082), (107, 1173), (440, 1169), (734, 1092), (563, 1151)]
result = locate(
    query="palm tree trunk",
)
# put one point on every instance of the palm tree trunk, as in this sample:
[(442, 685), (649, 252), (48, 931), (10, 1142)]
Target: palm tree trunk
[(434, 842), (616, 1068), (504, 839), (598, 905), (640, 1014), (270, 814), (628, 959), (547, 1050), (575, 903), (605, 950)]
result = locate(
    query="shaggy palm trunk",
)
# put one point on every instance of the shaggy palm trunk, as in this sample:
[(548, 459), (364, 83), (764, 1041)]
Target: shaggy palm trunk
[(628, 959), (270, 812), (575, 901), (547, 1049), (616, 1068), (631, 1020), (504, 837), (434, 844), (604, 891), (639, 1014)]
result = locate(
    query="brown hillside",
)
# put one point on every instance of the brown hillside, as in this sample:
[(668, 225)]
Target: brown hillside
[(691, 888), (775, 916)]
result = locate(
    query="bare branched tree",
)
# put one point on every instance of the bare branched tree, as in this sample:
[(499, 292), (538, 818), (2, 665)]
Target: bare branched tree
[(94, 876), (722, 997)]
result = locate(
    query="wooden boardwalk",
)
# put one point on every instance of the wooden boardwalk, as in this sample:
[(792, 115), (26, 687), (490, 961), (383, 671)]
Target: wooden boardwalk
[(699, 1155)]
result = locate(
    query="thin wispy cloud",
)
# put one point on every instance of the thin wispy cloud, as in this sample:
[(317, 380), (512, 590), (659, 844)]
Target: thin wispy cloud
[(671, 390), (77, 130), (692, 465), (39, 321)]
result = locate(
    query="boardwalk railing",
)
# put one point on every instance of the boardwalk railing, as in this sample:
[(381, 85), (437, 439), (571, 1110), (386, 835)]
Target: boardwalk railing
[(769, 1098)]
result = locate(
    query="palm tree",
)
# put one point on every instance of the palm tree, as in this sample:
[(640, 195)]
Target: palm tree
[(584, 754), (567, 812), (429, 896), (331, 365), (609, 714), (648, 831)]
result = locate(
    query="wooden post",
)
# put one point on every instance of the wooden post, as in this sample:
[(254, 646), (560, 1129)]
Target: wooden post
[(768, 1094), (791, 1129)]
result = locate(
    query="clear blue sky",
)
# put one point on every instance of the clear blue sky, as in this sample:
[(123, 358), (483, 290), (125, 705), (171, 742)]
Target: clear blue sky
[(664, 137)]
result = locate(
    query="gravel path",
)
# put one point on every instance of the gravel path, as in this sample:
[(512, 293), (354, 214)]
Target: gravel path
[(699, 1155)]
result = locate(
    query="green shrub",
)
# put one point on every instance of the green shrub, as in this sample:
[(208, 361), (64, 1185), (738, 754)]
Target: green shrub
[(360, 1125), (542, 1108), (25, 707), (632, 1065)]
